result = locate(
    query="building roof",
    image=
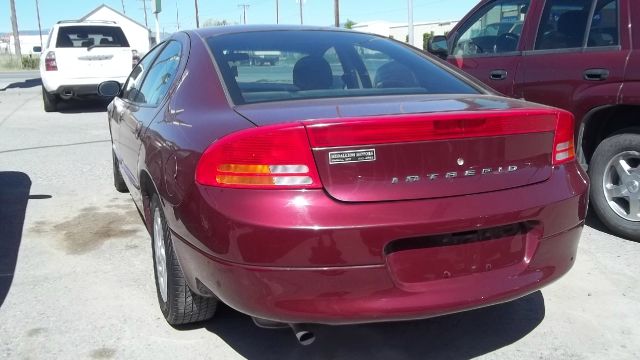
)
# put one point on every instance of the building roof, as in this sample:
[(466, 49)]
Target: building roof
[(115, 11)]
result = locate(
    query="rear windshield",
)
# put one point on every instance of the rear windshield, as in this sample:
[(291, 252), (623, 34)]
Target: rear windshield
[(90, 36), (286, 65)]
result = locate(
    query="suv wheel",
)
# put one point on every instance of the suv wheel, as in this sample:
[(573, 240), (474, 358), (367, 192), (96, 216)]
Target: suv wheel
[(178, 303), (615, 182), (50, 101)]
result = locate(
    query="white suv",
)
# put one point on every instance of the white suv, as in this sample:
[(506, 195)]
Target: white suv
[(80, 55)]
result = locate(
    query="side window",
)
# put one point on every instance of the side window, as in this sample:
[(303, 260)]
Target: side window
[(496, 29), (132, 86), (604, 25), (161, 75), (563, 24)]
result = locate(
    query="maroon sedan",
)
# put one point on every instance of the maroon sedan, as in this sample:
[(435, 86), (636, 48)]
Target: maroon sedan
[(350, 179)]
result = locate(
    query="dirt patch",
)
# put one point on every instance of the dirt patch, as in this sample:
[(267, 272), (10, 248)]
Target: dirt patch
[(36, 331), (103, 353), (91, 228)]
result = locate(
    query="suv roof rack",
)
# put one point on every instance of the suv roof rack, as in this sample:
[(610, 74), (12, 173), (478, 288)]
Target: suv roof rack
[(86, 21)]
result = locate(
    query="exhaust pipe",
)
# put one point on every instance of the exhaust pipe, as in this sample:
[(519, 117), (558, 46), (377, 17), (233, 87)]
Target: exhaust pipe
[(66, 94), (304, 336)]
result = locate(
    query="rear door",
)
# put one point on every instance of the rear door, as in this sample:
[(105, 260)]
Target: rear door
[(488, 44), (92, 51), (578, 58), (145, 103)]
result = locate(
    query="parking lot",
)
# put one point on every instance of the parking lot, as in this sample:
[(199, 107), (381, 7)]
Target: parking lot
[(76, 277)]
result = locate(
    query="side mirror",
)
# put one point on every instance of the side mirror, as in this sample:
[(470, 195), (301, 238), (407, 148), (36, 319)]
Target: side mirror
[(109, 88), (37, 49), (438, 46)]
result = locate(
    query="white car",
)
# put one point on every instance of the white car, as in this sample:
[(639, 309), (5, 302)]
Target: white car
[(79, 55)]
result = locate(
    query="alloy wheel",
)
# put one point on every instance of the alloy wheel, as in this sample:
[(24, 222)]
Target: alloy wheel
[(621, 184), (160, 254)]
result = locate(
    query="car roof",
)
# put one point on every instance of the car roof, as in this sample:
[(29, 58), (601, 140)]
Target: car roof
[(234, 29)]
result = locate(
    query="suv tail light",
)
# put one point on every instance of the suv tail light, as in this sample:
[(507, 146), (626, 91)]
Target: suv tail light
[(135, 58), (269, 157), (563, 143), (50, 63)]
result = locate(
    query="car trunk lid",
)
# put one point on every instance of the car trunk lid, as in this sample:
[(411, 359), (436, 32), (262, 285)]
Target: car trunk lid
[(428, 149)]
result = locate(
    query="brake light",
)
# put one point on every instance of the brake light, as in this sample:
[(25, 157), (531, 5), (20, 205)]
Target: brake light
[(135, 58), (50, 63), (429, 127), (563, 142), (270, 157)]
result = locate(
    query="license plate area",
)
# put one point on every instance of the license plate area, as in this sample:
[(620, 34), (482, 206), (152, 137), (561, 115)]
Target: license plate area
[(432, 258)]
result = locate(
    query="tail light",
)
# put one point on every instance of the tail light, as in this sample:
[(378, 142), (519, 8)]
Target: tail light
[(563, 142), (270, 157), (50, 63), (135, 58)]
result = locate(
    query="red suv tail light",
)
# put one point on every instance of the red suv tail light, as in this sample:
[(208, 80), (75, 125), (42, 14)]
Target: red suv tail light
[(270, 157), (50, 63), (563, 143)]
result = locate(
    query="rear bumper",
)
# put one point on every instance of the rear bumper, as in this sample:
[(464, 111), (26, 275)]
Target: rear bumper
[(360, 294), (80, 87), (299, 257)]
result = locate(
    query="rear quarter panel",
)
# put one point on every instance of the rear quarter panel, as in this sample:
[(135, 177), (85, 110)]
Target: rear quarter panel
[(196, 114)]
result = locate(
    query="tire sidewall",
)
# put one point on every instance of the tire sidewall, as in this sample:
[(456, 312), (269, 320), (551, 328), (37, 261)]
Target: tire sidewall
[(607, 149), (165, 306)]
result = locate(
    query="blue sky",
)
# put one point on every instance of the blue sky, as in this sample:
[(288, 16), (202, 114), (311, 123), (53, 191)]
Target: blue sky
[(316, 12)]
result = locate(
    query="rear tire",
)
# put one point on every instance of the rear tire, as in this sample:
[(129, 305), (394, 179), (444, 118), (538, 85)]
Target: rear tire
[(50, 101), (118, 180), (615, 195), (178, 303)]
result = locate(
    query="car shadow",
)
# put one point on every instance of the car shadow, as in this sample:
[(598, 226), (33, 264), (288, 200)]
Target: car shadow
[(29, 83), (457, 336), (14, 196), (89, 105)]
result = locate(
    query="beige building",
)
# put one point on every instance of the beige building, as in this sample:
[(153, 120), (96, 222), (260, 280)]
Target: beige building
[(400, 31)]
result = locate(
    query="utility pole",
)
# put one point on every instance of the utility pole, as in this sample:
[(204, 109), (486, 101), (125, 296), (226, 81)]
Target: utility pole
[(123, 10), (410, 23), (14, 26), (39, 25), (177, 16), (144, 8), (336, 8), (301, 20), (197, 16), (277, 12), (244, 12)]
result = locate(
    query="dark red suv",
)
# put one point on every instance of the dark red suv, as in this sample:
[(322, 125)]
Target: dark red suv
[(579, 55)]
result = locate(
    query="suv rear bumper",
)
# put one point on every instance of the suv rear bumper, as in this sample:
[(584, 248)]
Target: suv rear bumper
[(79, 87)]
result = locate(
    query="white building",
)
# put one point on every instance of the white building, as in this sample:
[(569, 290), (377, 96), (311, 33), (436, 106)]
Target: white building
[(27, 43), (399, 31), (138, 35)]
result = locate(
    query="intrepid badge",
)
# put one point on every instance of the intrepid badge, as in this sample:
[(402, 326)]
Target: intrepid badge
[(458, 174), (351, 156)]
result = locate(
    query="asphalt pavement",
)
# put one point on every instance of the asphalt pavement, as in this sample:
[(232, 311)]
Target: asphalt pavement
[(76, 277)]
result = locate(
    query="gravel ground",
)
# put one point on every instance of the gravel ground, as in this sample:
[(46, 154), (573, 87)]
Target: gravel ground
[(76, 277)]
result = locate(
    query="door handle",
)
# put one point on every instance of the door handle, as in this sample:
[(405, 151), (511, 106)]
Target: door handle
[(498, 74), (596, 74)]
